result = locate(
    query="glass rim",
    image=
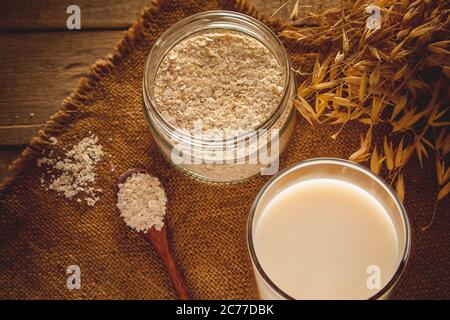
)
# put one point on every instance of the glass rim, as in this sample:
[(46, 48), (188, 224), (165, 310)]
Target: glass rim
[(150, 101), (404, 217)]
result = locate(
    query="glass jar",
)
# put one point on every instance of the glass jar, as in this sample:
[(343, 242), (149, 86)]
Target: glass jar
[(230, 159)]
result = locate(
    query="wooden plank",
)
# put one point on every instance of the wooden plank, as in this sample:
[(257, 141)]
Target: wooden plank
[(39, 70), (17, 135), (270, 7), (7, 155), (104, 14), (286, 7), (51, 14)]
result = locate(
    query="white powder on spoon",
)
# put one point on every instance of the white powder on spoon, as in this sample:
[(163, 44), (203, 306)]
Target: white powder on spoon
[(142, 202)]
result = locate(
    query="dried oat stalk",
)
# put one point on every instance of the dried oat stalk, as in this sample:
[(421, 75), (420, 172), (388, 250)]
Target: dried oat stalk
[(397, 76)]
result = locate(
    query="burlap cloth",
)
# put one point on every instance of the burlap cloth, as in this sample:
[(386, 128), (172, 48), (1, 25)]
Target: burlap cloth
[(41, 233)]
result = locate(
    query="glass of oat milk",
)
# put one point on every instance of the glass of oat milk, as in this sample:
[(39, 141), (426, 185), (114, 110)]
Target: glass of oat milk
[(327, 229)]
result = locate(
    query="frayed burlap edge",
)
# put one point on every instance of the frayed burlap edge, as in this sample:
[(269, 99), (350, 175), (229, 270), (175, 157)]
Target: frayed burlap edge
[(59, 121)]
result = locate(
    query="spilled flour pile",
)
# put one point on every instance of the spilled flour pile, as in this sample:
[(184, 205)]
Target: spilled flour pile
[(142, 202), (74, 174)]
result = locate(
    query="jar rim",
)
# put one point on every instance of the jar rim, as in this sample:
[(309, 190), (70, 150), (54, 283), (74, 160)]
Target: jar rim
[(285, 63)]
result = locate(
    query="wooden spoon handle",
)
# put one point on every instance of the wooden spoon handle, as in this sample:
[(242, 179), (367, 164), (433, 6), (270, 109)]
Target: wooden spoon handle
[(160, 242), (176, 277)]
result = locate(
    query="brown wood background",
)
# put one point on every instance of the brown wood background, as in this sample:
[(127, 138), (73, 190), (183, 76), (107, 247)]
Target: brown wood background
[(41, 62)]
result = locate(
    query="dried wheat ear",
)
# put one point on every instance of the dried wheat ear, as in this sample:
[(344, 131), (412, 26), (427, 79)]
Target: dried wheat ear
[(395, 76)]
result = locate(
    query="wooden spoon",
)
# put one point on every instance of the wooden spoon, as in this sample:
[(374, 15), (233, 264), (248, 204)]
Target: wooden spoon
[(160, 242)]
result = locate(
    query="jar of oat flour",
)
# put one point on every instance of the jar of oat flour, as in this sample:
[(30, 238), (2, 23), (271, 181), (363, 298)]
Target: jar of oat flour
[(218, 96)]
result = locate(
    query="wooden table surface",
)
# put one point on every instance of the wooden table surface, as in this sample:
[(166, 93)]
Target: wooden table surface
[(42, 61)]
